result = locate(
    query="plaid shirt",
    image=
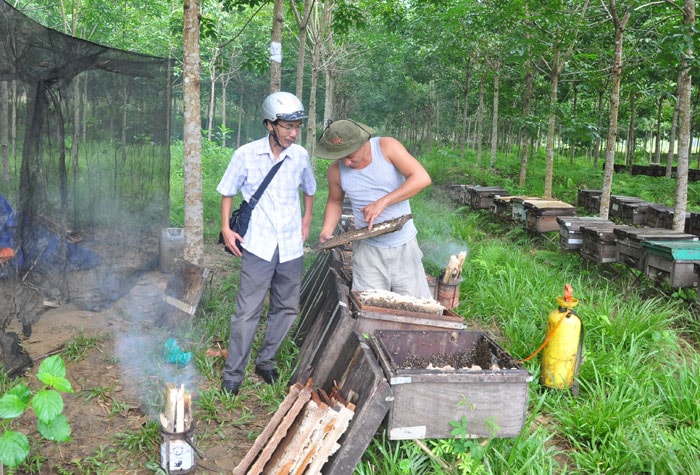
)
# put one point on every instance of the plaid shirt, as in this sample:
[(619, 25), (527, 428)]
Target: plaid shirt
[(276, 219)]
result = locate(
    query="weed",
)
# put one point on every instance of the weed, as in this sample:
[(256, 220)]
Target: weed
[(101, 393), (81, 345), (140, 441)]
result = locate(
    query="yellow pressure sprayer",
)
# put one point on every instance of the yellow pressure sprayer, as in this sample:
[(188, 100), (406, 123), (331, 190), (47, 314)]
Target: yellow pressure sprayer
[(561, 357), (563, 346)]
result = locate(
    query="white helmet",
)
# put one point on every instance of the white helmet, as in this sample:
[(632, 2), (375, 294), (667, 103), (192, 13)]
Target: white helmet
[(283, 106)]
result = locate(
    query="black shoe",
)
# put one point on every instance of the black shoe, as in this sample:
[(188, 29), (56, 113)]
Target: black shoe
[(230, 387), (269, 375)]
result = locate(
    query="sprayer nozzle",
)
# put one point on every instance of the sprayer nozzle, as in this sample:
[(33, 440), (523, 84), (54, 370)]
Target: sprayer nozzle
[(568, 292)]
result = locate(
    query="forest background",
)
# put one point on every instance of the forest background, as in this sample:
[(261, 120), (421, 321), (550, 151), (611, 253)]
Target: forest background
[(572, 85), (608, 80)]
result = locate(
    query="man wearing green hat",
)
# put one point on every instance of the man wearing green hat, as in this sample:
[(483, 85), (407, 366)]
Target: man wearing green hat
[(378, 175)]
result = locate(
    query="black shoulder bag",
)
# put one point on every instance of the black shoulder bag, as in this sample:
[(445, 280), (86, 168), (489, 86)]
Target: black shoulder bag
[(241, 217)]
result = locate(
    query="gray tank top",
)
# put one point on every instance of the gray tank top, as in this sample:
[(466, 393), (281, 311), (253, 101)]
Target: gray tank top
[(365, 186)]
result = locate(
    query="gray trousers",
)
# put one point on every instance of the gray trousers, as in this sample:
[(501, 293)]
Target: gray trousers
[(257, 276), (397, 269)]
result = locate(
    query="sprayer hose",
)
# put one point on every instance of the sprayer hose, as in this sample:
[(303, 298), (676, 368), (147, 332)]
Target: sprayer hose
[(546, 340)]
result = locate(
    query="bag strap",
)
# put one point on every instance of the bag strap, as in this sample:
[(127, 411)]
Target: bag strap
[(268, 178)]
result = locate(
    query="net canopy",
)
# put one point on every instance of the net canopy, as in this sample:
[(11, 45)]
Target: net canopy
[(84, 191)]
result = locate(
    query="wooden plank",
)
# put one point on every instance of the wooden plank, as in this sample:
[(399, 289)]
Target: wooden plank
[(268, 431), (332, 432), (652, 234), (280, 432), (292, 450), (185, 286), (368, 322), (378, 229), (553, 206), (329, 331), (356, 372)]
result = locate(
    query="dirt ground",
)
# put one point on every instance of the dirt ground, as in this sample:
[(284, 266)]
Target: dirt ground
[(109, 382)]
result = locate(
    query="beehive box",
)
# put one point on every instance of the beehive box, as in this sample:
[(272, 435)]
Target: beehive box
[(589, 199), (672, 262), (518, 207), (692, 224), (502, 206), (659, 216), (634, 213), (471, 377), (629, 243), (599, 244), (466, 195), (541, 215), (570, 234), (330, 315), (481, 197), (457, 192), (617, 201)]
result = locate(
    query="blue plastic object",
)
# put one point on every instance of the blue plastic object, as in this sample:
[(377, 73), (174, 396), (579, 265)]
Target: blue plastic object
[(172, 353)]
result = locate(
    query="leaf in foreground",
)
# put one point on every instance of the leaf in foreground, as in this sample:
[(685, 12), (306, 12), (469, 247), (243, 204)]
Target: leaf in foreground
[(14, 402), (14, 448), (52, 372), (47, 405), (57, 429)]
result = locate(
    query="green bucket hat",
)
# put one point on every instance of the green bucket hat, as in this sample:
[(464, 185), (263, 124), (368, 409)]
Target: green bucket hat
[(341, 138)]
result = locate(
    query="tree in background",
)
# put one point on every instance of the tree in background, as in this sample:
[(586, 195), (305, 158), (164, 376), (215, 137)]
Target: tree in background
[(619, 22), (192, 136), (684, 89)]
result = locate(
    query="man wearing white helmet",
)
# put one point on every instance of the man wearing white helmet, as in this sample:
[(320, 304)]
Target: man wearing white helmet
[(273, 246)]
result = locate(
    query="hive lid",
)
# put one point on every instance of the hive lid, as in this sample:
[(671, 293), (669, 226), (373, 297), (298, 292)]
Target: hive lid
[(678, 250)]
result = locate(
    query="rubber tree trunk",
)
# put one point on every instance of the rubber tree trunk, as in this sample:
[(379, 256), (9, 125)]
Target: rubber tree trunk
[(192, 135), (684, 119)]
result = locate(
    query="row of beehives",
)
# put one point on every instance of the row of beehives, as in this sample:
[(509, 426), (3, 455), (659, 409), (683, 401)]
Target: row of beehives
[(637, 233)]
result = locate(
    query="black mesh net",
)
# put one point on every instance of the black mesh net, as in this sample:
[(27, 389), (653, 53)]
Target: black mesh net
[(84, 190)]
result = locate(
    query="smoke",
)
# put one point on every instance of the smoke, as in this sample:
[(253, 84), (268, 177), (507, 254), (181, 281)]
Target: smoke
[(438, 252), (146, 349)]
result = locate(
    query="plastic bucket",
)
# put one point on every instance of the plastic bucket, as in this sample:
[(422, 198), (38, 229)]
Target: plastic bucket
[(172, 246)]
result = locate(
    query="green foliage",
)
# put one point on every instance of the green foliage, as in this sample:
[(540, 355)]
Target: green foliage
[(47, 405)]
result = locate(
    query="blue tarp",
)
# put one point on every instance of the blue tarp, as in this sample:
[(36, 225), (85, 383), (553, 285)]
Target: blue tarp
[(8, 223), (47, 247)]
